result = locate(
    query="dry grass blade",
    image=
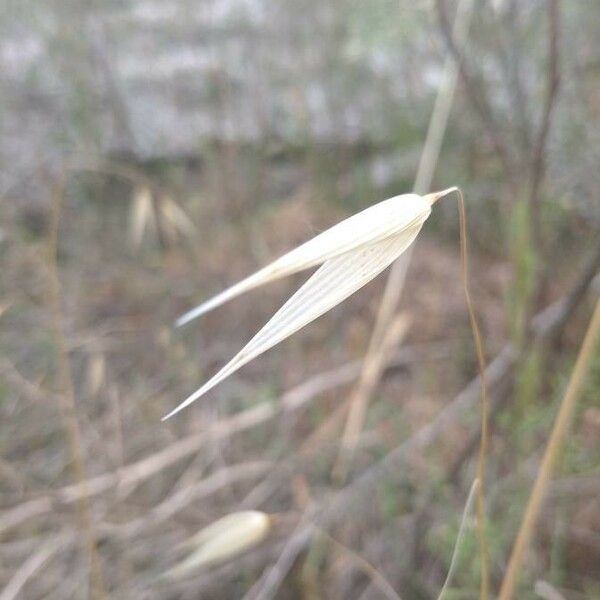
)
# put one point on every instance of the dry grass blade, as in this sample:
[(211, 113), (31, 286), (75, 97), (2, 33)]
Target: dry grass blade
[(459, 538), (30, 567), (360, 248), (364, 388)]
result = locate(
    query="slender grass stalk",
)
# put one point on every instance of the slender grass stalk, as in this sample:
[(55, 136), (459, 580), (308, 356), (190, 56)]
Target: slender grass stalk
[(484, 405), (561, 426), (67, 395)]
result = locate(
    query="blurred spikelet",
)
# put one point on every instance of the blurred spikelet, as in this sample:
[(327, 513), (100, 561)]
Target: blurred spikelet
[(223, 540), (4, 306), (177, 223), (96, 374), (142, 217)]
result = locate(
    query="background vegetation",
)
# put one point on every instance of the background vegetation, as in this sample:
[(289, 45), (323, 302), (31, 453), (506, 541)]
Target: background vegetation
[(154, 152)]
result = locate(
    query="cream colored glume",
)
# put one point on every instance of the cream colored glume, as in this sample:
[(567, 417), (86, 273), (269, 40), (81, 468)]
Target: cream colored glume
[(351, 254)]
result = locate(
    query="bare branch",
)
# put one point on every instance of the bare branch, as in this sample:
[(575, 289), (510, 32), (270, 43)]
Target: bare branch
[(477, 96), (538, 167)]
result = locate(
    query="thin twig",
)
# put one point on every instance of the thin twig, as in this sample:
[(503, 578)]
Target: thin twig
[(538, 167), (476, 96), (511, 57)]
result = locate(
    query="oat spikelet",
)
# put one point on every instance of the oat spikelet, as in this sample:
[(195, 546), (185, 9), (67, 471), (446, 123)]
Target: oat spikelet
[(352, 253), (222, 540)]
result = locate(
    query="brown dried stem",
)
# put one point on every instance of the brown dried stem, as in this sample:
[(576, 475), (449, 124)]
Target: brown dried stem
[(67, 396)]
